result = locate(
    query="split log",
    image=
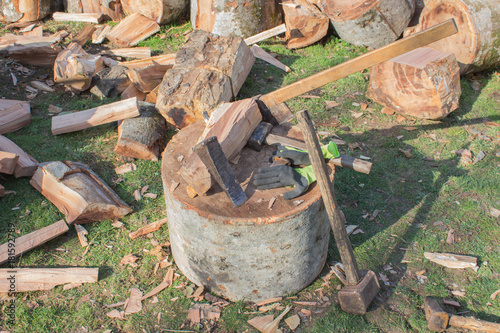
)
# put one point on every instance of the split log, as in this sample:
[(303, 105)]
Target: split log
[(78, 17), (14, 115), (34, 239), (100, 33), (96, 116), (26, 165), (142, 137), (24, 10), (133, 52), (305, 23), (148, 78), (8, 162), (43, 56), (75, 68), (10, 41), (452, 260), (266, 34), (372, 23), (36, 32), (148, 228), (153, 95), (235, 18), (30, 279), (164, 59), (423, 83), (208, 70), (232, 124), (263, 55), (111, 8), (161, 11), (132, 91), (80, 194), (110, 82), (477, 42), (84, 35), (131, 30)]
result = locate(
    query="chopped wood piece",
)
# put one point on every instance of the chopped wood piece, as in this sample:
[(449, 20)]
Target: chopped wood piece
[(26, 165), (8, 162), (148, 78), (148, 228), (84, 35), (80, 194), (132, 91), (266, 324), (266, 34), (33, 50), (423, 83), (41, 86), (10, 41), (452, 260), (305, 23), (116, 314), (134, 302), (110, 82), (124, 168), (194, 315), (111, 9), (29, 241), (152, 96), (261, 54), (293, 322), (232, 124), (100, 33), (96, 116), (24, 10), (131, 52), (268, 301), (142, 137), (164, 59), (82, 235), (38, 32), (75, 68), (131, 30), (14, 115), (30, 279), (78, 17), (161, 11)]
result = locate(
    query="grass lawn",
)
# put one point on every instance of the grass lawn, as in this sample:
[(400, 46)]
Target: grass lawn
[(419, 200)]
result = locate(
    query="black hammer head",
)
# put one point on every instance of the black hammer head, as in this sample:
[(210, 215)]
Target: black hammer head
[(258, 138)]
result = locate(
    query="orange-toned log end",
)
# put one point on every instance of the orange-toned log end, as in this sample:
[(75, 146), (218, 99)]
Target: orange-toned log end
[(305, 24)]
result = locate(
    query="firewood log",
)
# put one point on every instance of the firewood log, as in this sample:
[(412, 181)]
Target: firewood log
[(148, 78), (26, 165), (131, 30), (79, 193), (8, 162), (161, 11), (423, 83), (14, 115), (110, 82), (24, 10), (305, 23), (477, 42), (111, 8)]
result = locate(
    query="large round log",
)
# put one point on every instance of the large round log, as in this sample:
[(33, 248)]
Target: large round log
[(24, 10), (252, 252), (111, 8), (305, 23), (372, 23), (423, 83), (161, 11), (477, 43), (241, 18)]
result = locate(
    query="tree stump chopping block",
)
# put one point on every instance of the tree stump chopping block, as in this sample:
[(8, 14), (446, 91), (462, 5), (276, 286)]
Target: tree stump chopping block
[(266, 247)]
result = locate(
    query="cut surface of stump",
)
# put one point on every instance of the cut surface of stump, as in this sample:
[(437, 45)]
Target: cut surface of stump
[(305, 23), (423, 83), (80, 194), (160, 11)]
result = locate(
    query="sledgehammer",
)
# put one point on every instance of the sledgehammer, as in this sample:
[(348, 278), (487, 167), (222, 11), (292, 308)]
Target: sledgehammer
[(438, 319)]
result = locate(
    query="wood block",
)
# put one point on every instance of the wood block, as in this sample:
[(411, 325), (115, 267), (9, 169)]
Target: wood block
[(26, 165), (78, 17), (80, 194), (305, 23), (131, 30), (132, 91), (14, 115), (30, 279), (148, 78), (266, 34), (8, 162), (100, 33), (96, 116), (131, 52), (84, 35), (164, 59), (161, 11), (28, 242), (33, 50)]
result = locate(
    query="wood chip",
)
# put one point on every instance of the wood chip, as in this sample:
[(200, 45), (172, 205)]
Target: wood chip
[(117, 224), (410, 128), (151, 227), (406, 153), (451, 237), (350, 228), (129, 259), (137, 195), (331, 104), (116, 314), (306, 312), (374, 215), (388, 111), (271, 203), (479, 157), (54, 109), (124, 168), (358, 231), (365, 157), (150, 195), (266, 308), (400, 119), (41, 86), (194, 315), (495, 212), (451, 260), (494, 295), (458, 293), (134, 303), (293, 322), (305, 303), (356, 114), (451, 303), (268, 301), (81, 233)]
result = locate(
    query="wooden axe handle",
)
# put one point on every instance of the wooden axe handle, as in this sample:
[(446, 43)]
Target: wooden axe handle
[(372, 58), (474, 324)]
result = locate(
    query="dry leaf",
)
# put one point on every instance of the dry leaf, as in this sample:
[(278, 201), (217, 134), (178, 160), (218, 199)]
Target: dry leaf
[(354, 145), (451, 303), (451, 237), (54, 109), (364, 106), (144, 189), (374, 215), (358, 231), (475, 85), (124, 168), (406, 153)]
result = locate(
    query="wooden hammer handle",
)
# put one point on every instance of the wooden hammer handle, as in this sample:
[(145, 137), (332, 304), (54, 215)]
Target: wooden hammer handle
[(474, 324)]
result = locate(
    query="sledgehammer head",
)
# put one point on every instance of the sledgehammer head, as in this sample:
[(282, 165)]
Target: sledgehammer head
[(356, 299), (437, 318), (258, 138)]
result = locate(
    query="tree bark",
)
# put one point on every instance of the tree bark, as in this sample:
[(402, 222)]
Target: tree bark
[(161, 11), (423, 83), (372, 23), (477, 43), (235, 17), (305, 23), (24, 10), (110, 82)]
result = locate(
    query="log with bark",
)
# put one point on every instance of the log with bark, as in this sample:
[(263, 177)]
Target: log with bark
[(142, 137), (24, 10), (14, 115), (111, 8), (235, 18), (8, 162), (372, 23), (38, 51), (305, 23), (28, 242), (79, 193), (30, 279), (131, 30), (148, 78), (96, 116), (110, 82), (477, 43), (75, 68), (26, 165), (423, 83), (208, 70), (161, 11)]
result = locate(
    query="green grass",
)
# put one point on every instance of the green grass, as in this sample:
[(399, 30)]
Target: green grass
[(411, 195)]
